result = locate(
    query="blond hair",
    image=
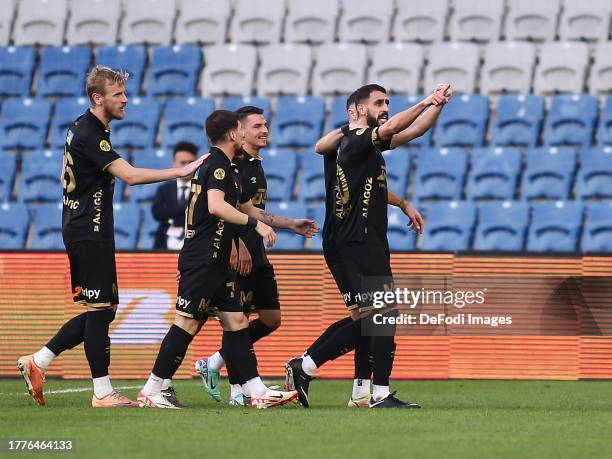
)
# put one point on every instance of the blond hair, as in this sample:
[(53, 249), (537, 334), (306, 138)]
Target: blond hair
[(99, 75)]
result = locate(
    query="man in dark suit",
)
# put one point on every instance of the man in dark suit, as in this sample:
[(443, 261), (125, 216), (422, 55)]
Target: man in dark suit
[(170, 201)]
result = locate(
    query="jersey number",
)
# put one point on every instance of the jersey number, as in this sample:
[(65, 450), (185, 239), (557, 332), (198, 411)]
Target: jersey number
[(68, 180), (195, 190)]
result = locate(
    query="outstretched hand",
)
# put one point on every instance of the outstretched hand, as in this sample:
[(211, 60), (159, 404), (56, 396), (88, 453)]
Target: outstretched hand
[(305, 227)]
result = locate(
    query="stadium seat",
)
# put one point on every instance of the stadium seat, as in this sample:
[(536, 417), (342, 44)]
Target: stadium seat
[(548, 173), (147, 21), (555, 227), (597, 234), (47, 228), (399, 235), (338, 116), (147, 230), (184, 121), (477, 20), (398, 169), (62, 71), (312, 22), (66, 111), (422, 22), (93, 22), (40, 22), (7, 174), (298, 121), (285, 239), (562, 68), (139, 127), (7, 13), (40, 177), (494, 173), (16, 70), (594, 179), (449, 226), (508, 67), (502, 226), (518, 120), (130, 59), (127, 225), (257, 21), (529, 20), (463, 121), (585, 20), (202, 21), (572, 120), (174, 70), (362, 23), (439, 174), (149, 159), (280, 166), (600, 81), (399, 103), (14, 220), (24, 123), (397, 67), (285, 69), (604, 133), (228, 70), (235, 102), (455, 63), (339, 68), (312, 178)]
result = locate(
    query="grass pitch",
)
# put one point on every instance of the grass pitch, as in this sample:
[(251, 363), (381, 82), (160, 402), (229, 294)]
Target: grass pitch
[(542, 419)]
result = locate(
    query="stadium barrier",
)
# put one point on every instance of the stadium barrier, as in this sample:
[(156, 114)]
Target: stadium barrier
[(35, 300)]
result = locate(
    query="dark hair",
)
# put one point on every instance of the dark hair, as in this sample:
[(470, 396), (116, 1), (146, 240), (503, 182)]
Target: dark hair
[(185, 146), (364, 92), (244, 112), (351, 100), (219, 123)]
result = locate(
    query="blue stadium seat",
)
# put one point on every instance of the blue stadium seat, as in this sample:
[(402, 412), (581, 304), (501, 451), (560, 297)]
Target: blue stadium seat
[(66, 111), (14, 221), (594, 179), (62, 71), (494, 173), (604, 134), (149, 159), (16, 70), (449, 226), (398, 169), (174, 70), (400, 236), (143, 193), (548, 173), (298, 121), (139, 127), (518, 120), (572, 120), (312, 178), (555, 227), (130, 59), (24, 123), (338, 116), (463, 121), (317, 213), (235, 102), (47, 228), (285, 239), (397, 103), (502, 226), (127, 225), (184, 121), (7, 174), (280, 166), (40, 177), (440, 174), (147, 231), (597, 234)]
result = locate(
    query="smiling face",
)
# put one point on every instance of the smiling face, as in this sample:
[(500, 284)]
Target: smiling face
[(375, 109), (255, 130)]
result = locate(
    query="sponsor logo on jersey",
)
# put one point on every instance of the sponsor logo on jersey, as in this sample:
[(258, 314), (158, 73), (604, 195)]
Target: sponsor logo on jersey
[(253, 180), (182, 302), (219, 173), (90, 294), (367, 194), (104, 145)]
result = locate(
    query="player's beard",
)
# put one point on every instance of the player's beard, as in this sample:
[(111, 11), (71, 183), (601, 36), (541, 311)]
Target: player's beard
[(372, 122)]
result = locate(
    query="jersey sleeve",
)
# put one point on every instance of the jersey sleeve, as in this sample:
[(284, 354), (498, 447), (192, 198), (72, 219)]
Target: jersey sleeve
[(218, 177), (365, 138), (98, 150)]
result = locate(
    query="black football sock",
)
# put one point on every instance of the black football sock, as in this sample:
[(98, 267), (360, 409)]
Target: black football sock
[(233, 375), (363, 358), (171, 352), (329, 331), (70, 335), (95, 338), (259, 330), (343, 340), (383, 353), (239, 353)]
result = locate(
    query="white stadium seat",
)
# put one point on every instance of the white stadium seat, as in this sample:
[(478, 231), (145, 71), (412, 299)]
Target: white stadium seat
[(7, 13), (478, 20), (202, 21), (455, 63), (508, 67), (421, 21), (397, 66), (339, 68), (312, 21), (600, 81), (285, 69), (228, 70), (585, 20), (532, 20), (40, 22), (360, 22), (148, 21), (257, 21), (93, 21), (562, 68)]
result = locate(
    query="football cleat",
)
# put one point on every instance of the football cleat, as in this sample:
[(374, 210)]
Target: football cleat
[(113, 400), (34, 377), (239, 400), (297, 380), (391, 402), (273, 398), (210, 378), (360, 402), (155, 401), (170, 395)]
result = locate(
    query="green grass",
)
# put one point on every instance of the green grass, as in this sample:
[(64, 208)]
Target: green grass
[(492, 419)]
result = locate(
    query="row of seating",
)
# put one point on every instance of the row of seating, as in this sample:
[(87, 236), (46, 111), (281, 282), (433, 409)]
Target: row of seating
[(509, 67), (300, 121), (562, 226), (268, 21)]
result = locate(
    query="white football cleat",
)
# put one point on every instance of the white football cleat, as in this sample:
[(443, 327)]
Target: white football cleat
[(155, 401), (273, 398), (360, 402)]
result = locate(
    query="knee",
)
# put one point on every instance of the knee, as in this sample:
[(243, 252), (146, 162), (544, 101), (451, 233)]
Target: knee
[(272, 321), (235, 322), (191, 326)]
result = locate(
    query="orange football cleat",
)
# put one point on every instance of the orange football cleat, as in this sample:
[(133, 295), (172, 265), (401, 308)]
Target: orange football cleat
[(113, 400), (34, 377)]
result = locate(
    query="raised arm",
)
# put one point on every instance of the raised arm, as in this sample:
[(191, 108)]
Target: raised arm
[(131, 175), (303, 226), (329, 142)]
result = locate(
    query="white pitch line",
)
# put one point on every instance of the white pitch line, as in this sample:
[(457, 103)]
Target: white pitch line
[(69, 391)]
